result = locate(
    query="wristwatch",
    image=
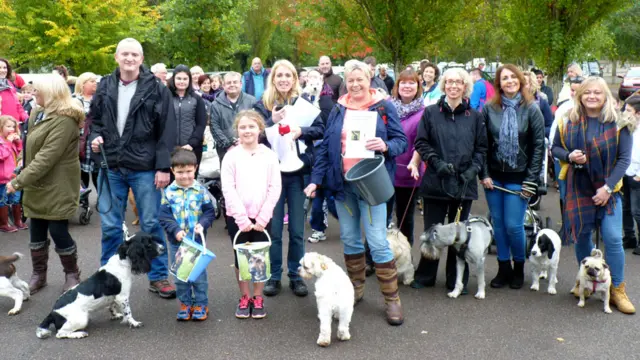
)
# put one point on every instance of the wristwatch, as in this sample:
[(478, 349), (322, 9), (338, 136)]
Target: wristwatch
[(606, 187)]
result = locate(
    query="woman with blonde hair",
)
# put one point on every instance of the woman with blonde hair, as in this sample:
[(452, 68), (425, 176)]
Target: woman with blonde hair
[(574, 70), (282, 91), (594, 147), (354, 213), (50, 179), (531, 84), (86, 86)]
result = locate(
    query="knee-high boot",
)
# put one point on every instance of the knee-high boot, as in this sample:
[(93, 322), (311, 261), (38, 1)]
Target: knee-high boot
[(387, 275), (356, 269)]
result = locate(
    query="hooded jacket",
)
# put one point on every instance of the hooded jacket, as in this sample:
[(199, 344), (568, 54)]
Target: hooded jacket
[(50, 179), (149, 132)]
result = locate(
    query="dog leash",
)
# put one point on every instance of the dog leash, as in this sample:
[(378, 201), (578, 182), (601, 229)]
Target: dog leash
[(105, 177)]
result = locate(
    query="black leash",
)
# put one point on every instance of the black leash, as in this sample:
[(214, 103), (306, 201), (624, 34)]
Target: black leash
[(104, 167)]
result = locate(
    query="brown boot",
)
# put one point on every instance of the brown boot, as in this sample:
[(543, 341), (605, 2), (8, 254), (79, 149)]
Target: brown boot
[(355, 268), (17, 218), (4, 221), (71, 272), (620, 299), (387, 275), (39, 260)]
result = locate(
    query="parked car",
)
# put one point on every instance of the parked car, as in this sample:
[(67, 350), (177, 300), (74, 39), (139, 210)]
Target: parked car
[(630, 83), (591, 68)]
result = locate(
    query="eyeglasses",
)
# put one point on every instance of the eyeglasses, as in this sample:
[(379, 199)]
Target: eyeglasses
[(456, 82), (576, 80)]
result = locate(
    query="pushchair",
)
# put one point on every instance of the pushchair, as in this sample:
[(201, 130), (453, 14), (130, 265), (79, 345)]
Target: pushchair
[(209, 174), (84, 207)]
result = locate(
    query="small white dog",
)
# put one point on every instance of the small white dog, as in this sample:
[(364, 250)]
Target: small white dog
[(471, 239), (594, 276), (402, 255), (10, 284), (313, 89), (545, 256), (334, 295)]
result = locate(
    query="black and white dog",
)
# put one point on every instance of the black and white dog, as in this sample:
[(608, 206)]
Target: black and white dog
[(109, 288), (545, 256)]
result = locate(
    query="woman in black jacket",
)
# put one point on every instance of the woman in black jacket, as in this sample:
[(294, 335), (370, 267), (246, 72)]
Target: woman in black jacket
[(452, 140), (190, 110), (515, 129)]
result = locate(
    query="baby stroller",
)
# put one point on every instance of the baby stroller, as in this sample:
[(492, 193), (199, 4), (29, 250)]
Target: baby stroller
[(85, 211), (209, 174)]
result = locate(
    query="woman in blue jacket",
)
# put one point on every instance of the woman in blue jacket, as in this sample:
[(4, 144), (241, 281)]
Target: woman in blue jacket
[(329, 170)]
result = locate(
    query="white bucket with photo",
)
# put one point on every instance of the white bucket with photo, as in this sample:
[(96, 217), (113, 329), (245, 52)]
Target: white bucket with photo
[(254, 263), (191, 259)]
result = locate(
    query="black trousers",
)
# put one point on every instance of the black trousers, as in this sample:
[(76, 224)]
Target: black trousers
[(627, 217), (406, 200), (436, 211), (59, 230), (85, 177)]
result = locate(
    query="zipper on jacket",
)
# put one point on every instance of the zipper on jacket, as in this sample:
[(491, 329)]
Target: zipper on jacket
[(179, 117)]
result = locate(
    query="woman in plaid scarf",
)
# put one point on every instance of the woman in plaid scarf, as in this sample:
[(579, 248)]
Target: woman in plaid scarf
[(594, 146)]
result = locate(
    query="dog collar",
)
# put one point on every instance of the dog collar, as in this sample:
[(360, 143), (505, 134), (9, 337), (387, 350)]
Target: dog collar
[(463, 245), (595, 284)]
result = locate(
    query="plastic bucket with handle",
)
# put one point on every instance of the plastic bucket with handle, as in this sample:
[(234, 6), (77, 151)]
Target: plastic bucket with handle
[(371, 180), (191, 259), (254, 263)]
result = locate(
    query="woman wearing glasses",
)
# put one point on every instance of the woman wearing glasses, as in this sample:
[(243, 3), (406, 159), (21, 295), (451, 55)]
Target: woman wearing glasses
[(452, 140)]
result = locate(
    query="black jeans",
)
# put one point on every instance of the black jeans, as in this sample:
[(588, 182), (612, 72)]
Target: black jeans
[(628, 186), (436, 211), (85, 177), (59, 230)]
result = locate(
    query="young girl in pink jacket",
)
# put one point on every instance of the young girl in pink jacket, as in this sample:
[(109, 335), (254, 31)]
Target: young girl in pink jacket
[(10, 148), (251, 185)]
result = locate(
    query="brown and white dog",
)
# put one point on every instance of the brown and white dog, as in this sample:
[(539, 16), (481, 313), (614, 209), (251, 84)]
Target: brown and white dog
[(132, 201), (594, 276), (10, 284)]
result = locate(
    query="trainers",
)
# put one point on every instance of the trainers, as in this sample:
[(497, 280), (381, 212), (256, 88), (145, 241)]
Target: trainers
[(272, 287), (299, 288), (257, 308), (286, 219), (200, 313), (317, 236), (184, 314), (244, 308), (163, 288)]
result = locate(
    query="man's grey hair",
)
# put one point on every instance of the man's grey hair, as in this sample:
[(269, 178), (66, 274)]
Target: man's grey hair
[(196, 68), (130, 41), (158, 67), (232, 74)]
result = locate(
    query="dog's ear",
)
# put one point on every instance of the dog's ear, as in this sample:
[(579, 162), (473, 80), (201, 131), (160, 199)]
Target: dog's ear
[(323, 266), (550, 248), (584, 261), (605, 265)]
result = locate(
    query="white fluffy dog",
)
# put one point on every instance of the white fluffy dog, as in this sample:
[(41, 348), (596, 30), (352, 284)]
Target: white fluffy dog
[(594, 276), (545, 256), (313, 89), (10, 284), (471, 239), (402, 255), (334, 295)]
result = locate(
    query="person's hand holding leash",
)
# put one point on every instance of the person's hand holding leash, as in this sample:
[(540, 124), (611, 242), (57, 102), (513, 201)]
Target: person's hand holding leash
[(602, 196), (95, 144), (413, 168), (487, 183), (578, 157), (443, 169), (310, 191)]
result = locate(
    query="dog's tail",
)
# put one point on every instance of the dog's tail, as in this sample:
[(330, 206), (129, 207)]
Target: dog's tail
[(596, 253), (11, 259), (43, 331)]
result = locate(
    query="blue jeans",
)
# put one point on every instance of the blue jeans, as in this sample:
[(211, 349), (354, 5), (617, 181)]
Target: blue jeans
[(321, 206), (351, 213), (562, 184), (115, 204), (191, 293), (507, 216), (611, 230), (8, 199), (294, 197)]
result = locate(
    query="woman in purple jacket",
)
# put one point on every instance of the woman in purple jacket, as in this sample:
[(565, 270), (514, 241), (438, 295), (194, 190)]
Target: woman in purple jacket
[(408, 101)]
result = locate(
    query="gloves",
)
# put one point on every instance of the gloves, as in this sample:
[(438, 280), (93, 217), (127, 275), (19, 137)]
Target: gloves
[(469, 175), (443, 169), (530, 188)]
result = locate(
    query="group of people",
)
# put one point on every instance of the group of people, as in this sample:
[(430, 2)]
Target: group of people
[(148, 131)]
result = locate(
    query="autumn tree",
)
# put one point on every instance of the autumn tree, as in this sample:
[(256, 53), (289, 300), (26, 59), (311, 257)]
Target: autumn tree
[(79, 34), (624, 27)]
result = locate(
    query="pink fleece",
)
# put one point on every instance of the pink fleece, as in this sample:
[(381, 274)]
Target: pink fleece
[(11, 106), (251, 184), (9, 152)]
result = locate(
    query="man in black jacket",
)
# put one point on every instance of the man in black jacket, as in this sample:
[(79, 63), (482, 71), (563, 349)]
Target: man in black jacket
[(334, 81), (543, 87), (133, 118)]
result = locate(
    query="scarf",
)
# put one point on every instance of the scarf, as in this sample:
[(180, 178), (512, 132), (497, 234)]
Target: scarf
[(405, 110), (4, 84), (580, 213), (508, 146)]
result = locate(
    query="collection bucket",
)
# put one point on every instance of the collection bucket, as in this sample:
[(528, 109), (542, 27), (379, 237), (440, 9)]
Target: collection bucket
[(254, 263), (191, 259), (371, 180)]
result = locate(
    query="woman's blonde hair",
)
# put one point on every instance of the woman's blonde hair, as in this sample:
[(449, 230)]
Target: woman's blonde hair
[(4, 119), (576, 68), (353, 65), (463, 74), (609, 112), (534, 87), (55, 92), (271, 96), (82, 79), (252, 115)]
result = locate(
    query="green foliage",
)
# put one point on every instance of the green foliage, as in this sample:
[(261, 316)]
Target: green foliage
[(202, 32), (624, 27), (79, 34)]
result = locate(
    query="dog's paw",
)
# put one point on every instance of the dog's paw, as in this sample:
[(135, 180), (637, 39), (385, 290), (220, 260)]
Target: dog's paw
[(135, 324), (480, 295), (552, 291), (581, 303), (454, 294), (323, 341), (72, 335), (535, 287), (14, 311), (344, 335), (117, 316), (607, 310), (543, 275)]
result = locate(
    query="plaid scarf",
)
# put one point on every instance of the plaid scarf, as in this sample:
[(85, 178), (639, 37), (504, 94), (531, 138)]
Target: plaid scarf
[(580, 213)]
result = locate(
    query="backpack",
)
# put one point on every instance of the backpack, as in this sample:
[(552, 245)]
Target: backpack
[(491, 91)]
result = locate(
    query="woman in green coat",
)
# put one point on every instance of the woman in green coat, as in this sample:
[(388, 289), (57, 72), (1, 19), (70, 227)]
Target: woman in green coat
[(50, 178)]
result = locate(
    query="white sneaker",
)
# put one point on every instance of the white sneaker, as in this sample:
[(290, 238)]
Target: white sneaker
[(317, 236)]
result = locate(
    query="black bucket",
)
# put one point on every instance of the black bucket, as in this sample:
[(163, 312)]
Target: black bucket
[(371, 180)]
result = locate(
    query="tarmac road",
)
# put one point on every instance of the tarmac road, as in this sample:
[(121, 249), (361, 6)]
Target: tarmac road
[(508, 324)]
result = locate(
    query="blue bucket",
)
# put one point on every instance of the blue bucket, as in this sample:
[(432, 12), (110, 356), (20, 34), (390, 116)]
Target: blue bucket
[(191, 259), (371, 180)]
